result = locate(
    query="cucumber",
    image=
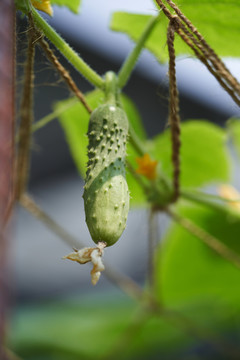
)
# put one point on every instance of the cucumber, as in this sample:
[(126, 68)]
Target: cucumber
[(106, 194)]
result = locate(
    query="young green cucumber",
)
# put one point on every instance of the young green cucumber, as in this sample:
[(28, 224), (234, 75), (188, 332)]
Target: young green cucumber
[(106, 195)]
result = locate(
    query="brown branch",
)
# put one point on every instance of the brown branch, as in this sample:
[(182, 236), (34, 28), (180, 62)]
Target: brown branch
[(192, 37), (219, 63), (64, 73), (174, 118), (204, 60)]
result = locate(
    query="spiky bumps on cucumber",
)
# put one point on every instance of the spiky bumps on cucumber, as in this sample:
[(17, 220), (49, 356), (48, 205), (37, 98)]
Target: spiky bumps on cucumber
[(106, 195)]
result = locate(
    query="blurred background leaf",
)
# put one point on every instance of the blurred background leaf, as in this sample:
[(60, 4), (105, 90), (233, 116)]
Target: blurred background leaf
[(190, 272), (69, 330), (73, 5)]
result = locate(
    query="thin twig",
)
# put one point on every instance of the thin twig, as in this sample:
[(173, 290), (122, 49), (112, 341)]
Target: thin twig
[(208, 239), (122, 281), (174, 118), (29, 204), (64, 73), (153, 238)]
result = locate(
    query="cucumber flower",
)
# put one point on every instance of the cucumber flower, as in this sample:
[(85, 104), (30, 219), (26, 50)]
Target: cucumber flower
[(147, 167)]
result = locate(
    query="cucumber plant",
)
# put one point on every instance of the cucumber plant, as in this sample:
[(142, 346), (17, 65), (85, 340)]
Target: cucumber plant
[(165, 181), (106, 193)]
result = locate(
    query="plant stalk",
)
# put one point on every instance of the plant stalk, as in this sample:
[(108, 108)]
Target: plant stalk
[(129, 64), (67, 51)]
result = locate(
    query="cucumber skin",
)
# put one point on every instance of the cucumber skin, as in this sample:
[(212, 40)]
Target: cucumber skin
[(106, 195)]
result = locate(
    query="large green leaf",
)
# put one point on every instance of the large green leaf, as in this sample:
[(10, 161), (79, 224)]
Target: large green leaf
[(73, 5), (75, 123), (134, 24), (218, 21), (204, 155), (189, 272)]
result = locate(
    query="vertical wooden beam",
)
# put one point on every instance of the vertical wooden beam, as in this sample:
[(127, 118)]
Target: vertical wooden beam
[(7, 82)]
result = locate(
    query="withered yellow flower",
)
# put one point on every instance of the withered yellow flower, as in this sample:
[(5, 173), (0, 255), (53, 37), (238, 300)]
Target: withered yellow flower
[(88, 254), (43, 5), (147, 167)]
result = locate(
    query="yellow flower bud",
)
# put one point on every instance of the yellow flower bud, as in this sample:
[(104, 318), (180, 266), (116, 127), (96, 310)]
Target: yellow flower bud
[(147, 167), (43, 5)]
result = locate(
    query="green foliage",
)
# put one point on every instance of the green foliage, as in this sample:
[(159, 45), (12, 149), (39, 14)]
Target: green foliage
[(192, 273), (217, 21), (73, 5), (134, 25), (204, 155), (75, 124), (72, 331)]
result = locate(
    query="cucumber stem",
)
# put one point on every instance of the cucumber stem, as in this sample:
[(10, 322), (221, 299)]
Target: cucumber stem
[(111, 90), (129, 63), (67, 51)]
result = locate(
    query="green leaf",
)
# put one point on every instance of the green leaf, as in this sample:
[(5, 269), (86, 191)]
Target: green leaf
[(217, 21), (189, 272), (75, 123), (73, 5), (204, 155), (233, 127), (134, 24)]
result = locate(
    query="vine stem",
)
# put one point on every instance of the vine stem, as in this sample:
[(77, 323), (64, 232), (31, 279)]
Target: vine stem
[(210, 201), (136, 142), (129, 63), (67, 51), (208, 239), (153, 239), (53, 115)]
